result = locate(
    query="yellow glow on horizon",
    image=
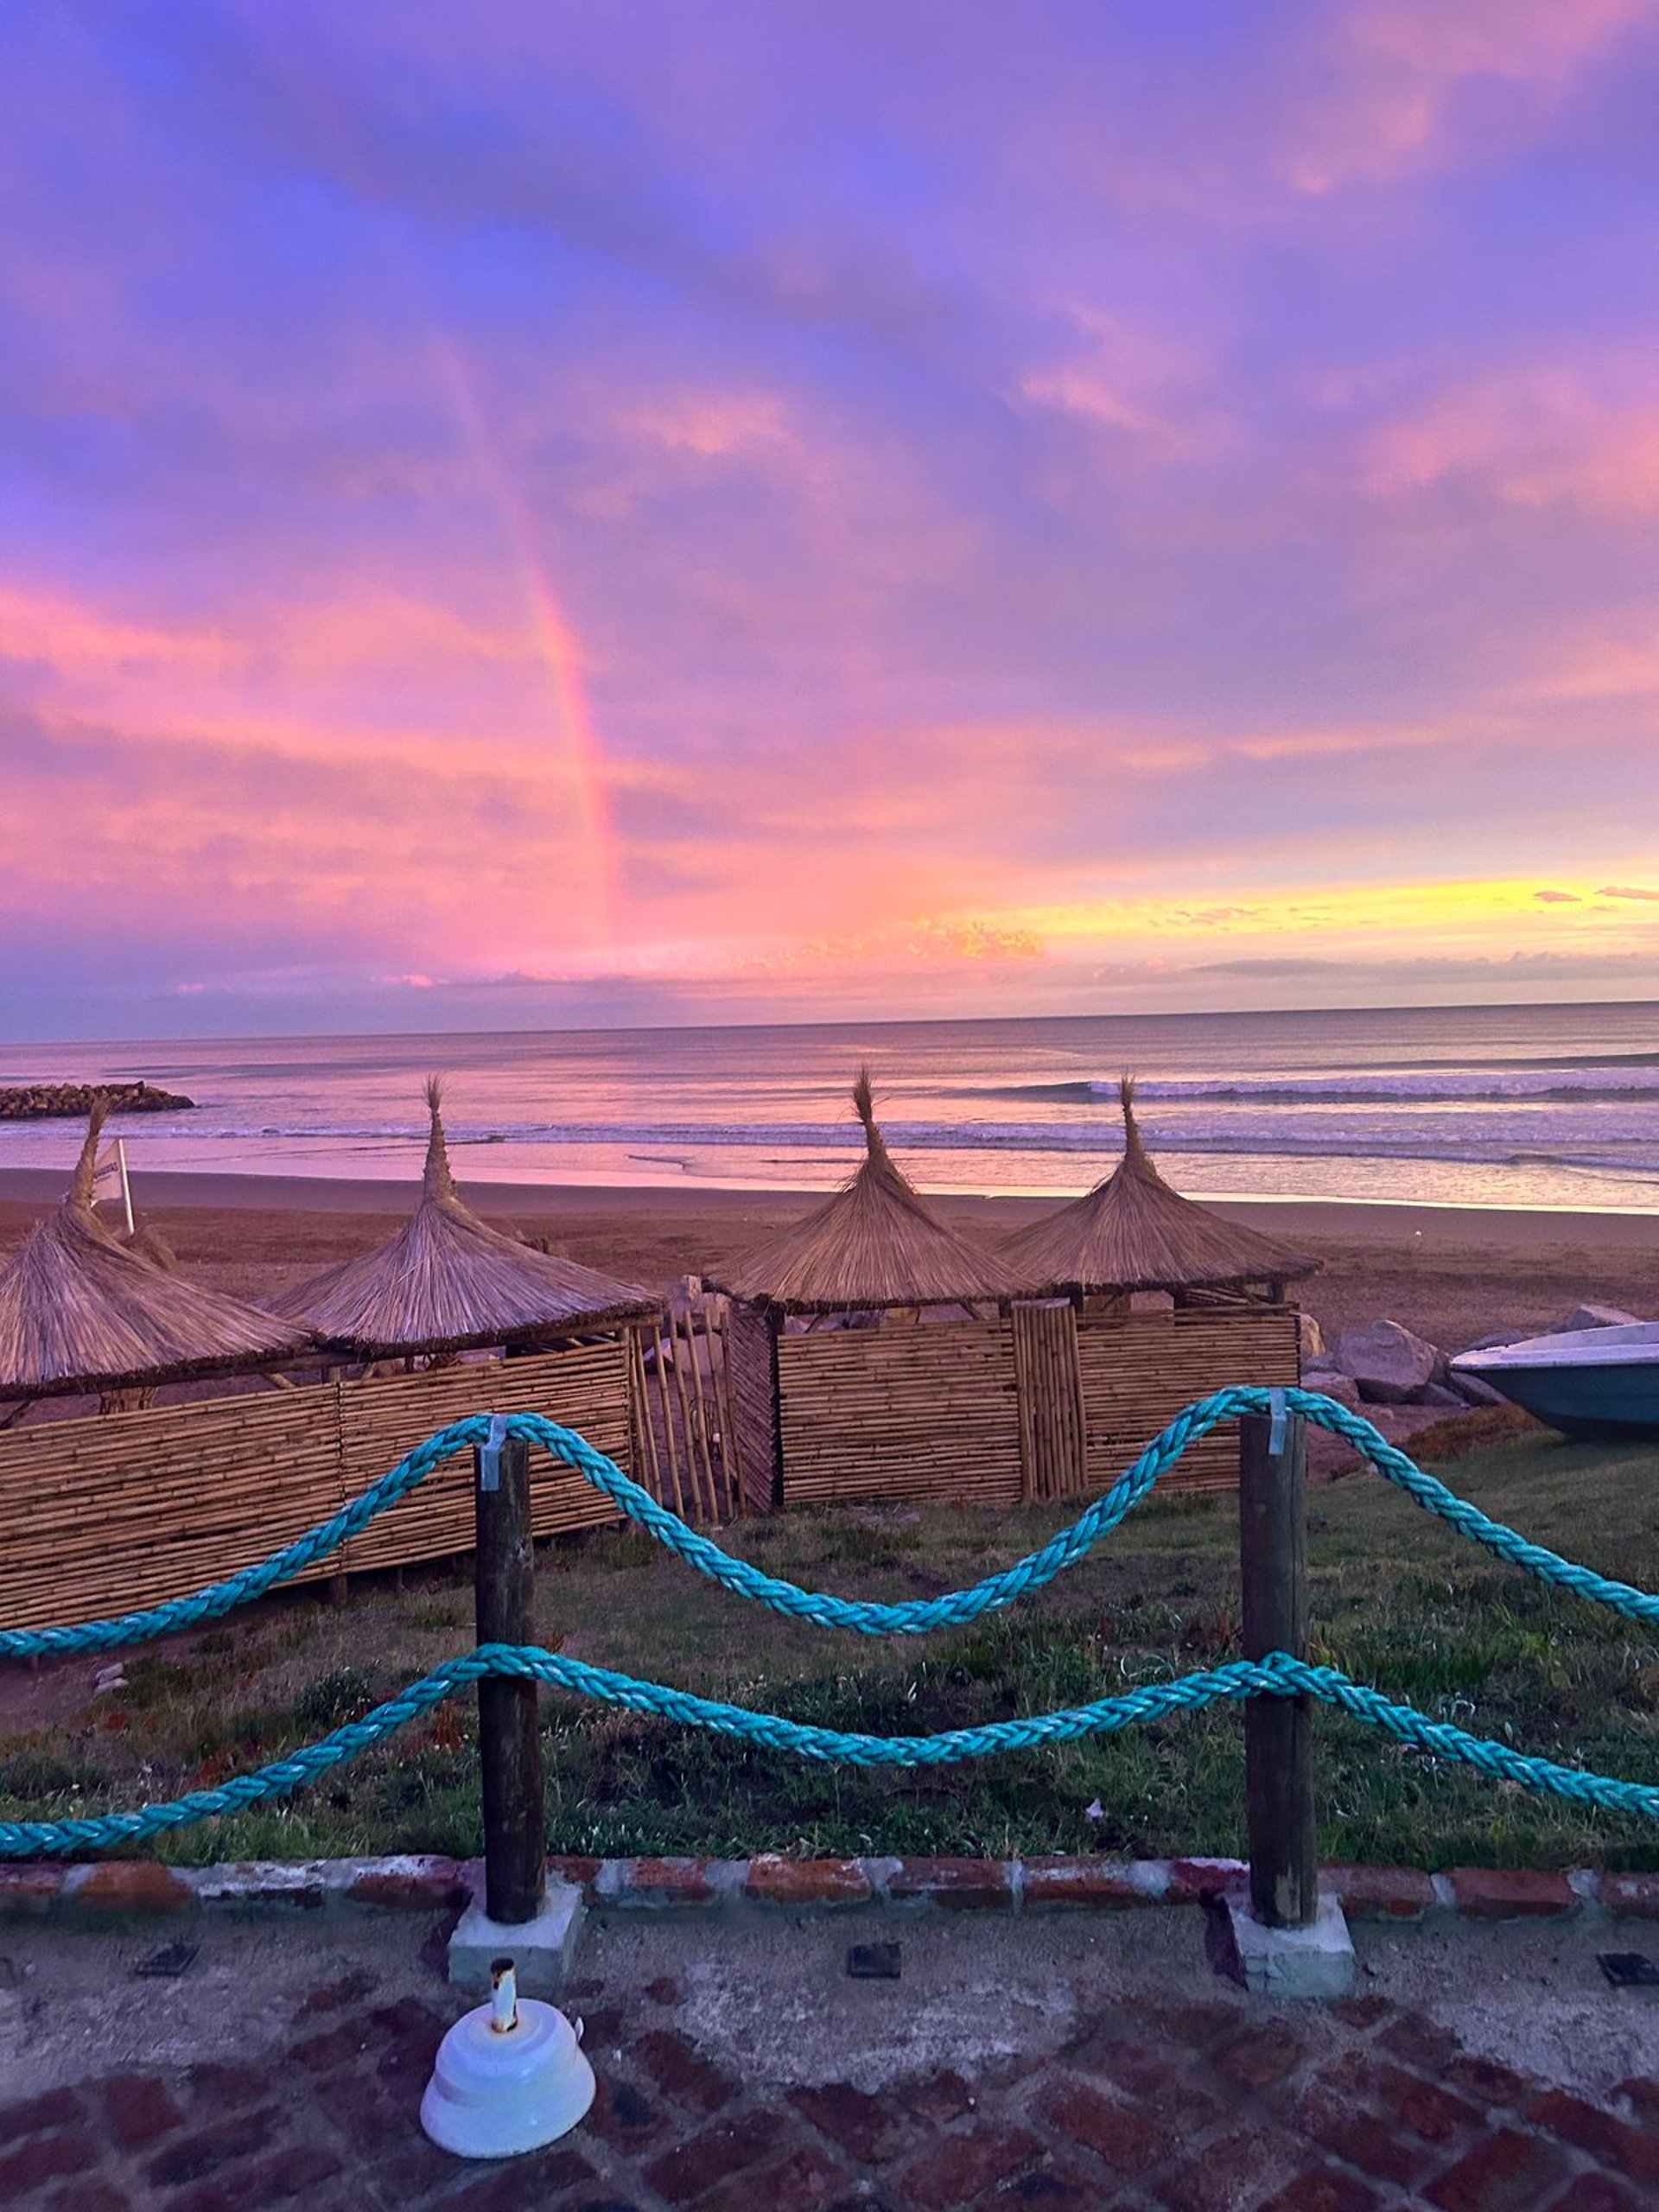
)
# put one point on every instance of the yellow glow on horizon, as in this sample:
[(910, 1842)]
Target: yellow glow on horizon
[(1317, 910)]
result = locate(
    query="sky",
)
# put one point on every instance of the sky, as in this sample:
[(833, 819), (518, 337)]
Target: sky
[(709, 510)]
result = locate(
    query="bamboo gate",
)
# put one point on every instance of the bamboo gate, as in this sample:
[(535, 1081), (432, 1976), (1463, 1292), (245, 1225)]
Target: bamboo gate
[(685, 1436)]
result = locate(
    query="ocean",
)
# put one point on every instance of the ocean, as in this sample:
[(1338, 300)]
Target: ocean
[(1530, 1106)]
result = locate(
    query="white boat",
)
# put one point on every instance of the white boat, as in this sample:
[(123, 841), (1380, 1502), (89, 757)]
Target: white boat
[(1598, 1383)]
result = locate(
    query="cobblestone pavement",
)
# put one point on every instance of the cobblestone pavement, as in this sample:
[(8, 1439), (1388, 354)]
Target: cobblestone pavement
[(1004, 2068)]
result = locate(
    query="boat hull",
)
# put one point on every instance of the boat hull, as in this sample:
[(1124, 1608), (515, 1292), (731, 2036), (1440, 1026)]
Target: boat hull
[(1597, 1405), (1600, 1384)]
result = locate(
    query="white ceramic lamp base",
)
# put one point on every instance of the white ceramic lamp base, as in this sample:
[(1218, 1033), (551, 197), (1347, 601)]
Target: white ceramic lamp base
[(498, 2089)]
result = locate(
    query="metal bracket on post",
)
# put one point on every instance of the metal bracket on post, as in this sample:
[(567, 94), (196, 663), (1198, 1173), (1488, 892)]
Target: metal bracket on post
[(1277, 1417), (489, 1454)]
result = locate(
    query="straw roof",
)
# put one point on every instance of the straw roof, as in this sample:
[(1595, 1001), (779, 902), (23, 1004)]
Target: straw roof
[(1134, 1232), (446, 1281), (876, 1244), (80, 1311)]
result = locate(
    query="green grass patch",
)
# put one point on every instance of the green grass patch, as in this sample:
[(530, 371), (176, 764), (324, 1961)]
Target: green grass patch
[(1398, 1601)]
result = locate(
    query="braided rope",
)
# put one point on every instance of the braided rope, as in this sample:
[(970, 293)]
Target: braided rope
[(914, 1616), (1277, 1676)]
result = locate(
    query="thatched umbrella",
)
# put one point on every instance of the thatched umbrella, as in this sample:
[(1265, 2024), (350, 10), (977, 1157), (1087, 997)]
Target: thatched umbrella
[(446, 1281), (876, 1244), (1132, 1233), (80, 1311)]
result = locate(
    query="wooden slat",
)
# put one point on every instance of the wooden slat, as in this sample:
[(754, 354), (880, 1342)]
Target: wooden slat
[(720, 1348), (754, 1413), (644, 1431)]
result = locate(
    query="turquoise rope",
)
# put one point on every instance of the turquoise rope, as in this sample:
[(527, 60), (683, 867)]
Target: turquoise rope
[(1278, 1675), (914, 1616)]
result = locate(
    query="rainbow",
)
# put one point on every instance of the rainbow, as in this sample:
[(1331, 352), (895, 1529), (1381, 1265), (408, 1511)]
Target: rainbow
[(588, 918), (596, 902)]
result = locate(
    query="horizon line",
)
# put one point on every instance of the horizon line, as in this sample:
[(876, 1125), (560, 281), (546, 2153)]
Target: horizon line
[(849, 1021)]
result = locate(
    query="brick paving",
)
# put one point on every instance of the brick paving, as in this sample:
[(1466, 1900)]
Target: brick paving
[(1212, 2104)]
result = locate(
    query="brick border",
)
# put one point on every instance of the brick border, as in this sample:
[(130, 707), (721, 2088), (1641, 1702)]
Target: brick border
[(96, 1893)]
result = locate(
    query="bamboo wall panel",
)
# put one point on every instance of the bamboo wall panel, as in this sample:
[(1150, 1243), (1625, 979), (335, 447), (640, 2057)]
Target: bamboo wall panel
[(1042, 1403), (912, 1411), (101, 1515), (586, 1390), (1052, 1426), (1139, 1369)]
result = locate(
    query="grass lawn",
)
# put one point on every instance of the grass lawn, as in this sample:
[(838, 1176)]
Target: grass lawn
[(1398, 1601)]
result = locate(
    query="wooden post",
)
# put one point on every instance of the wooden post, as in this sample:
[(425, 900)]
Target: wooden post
[(1278, 1731), (509, 1734)]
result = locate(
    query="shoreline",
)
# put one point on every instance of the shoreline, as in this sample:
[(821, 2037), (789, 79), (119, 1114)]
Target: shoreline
[(1453, 1273), (163, 1191)]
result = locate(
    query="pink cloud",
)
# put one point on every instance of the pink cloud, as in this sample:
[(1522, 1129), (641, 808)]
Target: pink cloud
[(1544, 436), (1398, 68), (1132, 382)]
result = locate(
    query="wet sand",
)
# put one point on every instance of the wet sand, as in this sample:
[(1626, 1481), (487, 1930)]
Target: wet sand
[(1453, 1273)]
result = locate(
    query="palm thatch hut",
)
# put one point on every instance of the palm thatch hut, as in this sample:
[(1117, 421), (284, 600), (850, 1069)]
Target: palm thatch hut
[(80, 1312), (447, 1283), (1132, 1233), (1115, 1372), (875, 1246), (823, 1410)]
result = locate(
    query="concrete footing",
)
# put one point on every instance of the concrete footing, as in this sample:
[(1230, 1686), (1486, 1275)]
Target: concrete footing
[(542, 1950), (1314, 1961)]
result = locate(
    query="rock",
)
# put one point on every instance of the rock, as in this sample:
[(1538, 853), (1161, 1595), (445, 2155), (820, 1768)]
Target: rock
[(1332, 1383), (1499, 1337), (1439, 1394), (1310, 1338), (41, 1102), (1590, 1316), (1473, 1391), (1390, 1364)]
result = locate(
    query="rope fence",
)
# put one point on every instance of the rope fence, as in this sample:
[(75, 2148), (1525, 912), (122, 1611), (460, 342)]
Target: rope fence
[(1278, 1675)]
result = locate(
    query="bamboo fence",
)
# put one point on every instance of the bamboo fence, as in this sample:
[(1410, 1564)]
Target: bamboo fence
[(911, 1410), (103, 1515), (1139, 1369), (1042, 1402)]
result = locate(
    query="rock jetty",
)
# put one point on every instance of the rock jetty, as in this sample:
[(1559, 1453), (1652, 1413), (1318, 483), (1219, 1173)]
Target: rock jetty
[(45, 1102)]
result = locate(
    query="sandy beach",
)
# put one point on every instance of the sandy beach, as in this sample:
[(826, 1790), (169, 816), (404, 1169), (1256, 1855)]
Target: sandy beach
[(1451, 1272)]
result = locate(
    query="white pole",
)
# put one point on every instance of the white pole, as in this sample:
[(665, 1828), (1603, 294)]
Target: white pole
[(126, 1187)]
